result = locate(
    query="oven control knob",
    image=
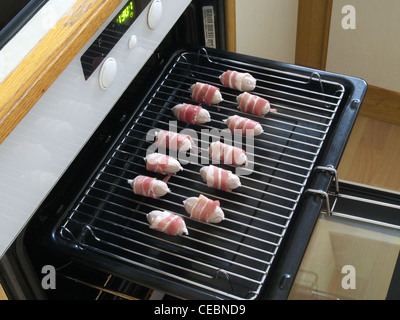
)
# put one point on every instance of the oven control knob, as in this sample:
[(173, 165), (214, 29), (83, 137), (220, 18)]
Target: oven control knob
[(154, 14), (108, 71), (132, 42)]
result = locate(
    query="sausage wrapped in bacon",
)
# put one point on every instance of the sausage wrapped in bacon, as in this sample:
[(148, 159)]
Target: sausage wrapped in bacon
[(175, 141), (191, 114), (167, 222), (203, 209), (161, 163), (219, 178), (253, 104), (205, 93), (149, 187), (227, 154), (238, 80), (247, 126)]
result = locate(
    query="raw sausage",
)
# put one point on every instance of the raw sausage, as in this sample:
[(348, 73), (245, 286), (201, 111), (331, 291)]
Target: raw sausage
[(238, 80), (219, 178), (253, 104), (246, 126), (205, 93), (227, 154), (167, 222), (161, 163), (174, 141), (191, 114), (149, 187), (203, 209)]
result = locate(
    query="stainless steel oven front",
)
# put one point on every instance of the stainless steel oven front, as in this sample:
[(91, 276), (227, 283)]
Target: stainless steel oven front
[(120, 54)]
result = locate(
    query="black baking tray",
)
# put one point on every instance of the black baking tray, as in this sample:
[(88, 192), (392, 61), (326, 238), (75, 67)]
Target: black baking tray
[(43, 232)]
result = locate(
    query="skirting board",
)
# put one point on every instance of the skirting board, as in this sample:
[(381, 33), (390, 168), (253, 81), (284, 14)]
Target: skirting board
[(381, 104)]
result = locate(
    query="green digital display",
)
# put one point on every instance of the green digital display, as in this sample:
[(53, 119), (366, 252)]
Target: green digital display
[(104, 43), (127, 13)]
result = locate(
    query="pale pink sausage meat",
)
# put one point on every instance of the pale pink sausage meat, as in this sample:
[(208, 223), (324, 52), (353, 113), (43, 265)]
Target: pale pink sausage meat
[(173, 140), (203, 209), (253, 104), (244, 125), (227, 154), (167, 222), (219, 178), (149, 187), (161, 163), (238, 80), (205, 93), (191, 114)]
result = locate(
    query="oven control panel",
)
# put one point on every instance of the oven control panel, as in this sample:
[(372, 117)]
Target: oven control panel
[(121, 22), (32, 159), (155, 14), (108, 72)]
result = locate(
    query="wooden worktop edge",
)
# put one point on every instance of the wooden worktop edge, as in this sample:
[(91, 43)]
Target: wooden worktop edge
[(27, 83)]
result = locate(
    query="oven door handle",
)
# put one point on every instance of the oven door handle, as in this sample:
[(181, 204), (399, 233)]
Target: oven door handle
[(324, 194), (337, 195)]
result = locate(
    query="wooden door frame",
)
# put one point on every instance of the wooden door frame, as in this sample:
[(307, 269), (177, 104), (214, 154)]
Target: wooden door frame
[(312, 38), (24, 86), (230, 25), (313, 26)]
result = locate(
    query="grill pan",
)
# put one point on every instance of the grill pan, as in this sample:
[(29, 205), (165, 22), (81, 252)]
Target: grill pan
[(106, 225)]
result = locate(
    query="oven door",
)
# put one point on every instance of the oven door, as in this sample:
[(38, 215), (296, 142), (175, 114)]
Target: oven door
[(354, 251), (14, 14), (98, 221)]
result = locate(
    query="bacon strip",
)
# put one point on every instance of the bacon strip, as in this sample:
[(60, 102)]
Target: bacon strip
[(173, 140), (245, 125), (238, 80), (254, 104), (149, 187), (167, 222), (191, 114), (161, 163), (205, 93), (227, 154), (219, 178), (204, 209)]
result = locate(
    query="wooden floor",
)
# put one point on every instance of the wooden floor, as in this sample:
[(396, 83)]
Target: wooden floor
[(2, 294), (371, 156)]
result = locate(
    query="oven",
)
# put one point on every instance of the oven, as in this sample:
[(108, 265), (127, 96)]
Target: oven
[(14, 15), (88, 237)]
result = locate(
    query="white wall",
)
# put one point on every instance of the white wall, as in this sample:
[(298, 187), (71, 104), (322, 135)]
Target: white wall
[(267, 28), (372, 50)]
